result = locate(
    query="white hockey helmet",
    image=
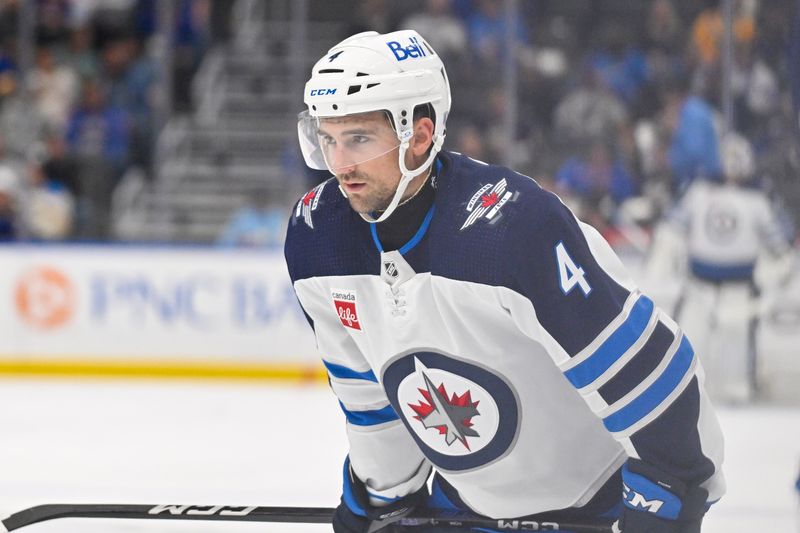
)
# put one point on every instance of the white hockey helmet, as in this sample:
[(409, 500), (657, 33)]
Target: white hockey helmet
[(393, 72), (736, 155)]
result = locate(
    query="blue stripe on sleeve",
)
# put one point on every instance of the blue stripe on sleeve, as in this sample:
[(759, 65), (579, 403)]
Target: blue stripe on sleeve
[(614, 346), (656, 393), (342, 372), (370, 418)]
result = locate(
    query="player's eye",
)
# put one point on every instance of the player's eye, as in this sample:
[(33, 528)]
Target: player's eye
[(356, 142), (326, 140)]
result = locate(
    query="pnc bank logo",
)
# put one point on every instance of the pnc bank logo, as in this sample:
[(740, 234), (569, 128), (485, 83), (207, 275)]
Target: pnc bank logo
[(44, 297)]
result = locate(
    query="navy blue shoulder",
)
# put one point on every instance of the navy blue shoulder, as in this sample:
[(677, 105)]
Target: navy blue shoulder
[(496, 227), (325, 236), (482, 214)]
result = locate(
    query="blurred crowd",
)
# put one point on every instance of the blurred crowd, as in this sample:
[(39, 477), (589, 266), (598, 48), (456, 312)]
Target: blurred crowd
[(619, 102), (85, 110)]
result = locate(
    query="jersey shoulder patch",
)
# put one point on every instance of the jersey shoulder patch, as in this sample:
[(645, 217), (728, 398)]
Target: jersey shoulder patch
[(484, 193), (324, 235), (310, 202), (477, 210)]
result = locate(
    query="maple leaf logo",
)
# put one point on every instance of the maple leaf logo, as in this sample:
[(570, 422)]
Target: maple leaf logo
[(308, 204), (488, 200), (451, 417)]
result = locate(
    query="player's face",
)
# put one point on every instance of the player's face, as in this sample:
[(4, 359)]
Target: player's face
[(361, 150)]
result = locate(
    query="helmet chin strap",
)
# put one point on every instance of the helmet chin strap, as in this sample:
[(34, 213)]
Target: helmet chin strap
[(408, 176)]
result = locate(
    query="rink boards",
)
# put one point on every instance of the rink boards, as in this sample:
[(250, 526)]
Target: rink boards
[(165, 311), (153, 311)]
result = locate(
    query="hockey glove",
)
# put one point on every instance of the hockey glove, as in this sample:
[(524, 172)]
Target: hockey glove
[(355, 514), (658, 503)]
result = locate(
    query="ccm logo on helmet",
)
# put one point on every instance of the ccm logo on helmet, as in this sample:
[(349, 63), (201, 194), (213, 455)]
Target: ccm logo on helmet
[(322, 92), (402, 53)]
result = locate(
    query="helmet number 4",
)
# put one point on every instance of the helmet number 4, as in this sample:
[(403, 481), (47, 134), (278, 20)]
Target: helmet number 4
[(569, 273)]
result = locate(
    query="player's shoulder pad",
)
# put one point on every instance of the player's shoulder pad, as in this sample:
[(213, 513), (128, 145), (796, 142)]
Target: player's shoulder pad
[(320, 226), (316, 206), (485, 216), (480, 197)]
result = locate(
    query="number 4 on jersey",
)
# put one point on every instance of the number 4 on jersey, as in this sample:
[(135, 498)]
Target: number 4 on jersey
[(570, 274)]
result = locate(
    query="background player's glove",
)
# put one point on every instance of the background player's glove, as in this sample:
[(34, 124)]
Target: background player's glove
[(355, 514), (658, 503)]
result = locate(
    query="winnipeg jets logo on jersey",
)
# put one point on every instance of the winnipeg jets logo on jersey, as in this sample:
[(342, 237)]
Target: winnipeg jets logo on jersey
[(452, 409), (451, 417), (440, 421), (487, 202), (308, 204)]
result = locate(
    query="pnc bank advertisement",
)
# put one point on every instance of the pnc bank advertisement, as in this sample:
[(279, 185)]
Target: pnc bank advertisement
[(134, 303)]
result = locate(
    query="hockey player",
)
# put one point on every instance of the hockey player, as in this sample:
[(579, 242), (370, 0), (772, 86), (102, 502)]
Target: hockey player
[(727, 225), (472, 326)]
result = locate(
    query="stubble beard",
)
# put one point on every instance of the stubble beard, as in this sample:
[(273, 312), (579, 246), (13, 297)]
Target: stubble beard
[(376, 197)]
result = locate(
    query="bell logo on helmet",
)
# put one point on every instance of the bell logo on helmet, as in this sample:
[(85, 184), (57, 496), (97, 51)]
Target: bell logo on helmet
[(322, 92), (402, 53)]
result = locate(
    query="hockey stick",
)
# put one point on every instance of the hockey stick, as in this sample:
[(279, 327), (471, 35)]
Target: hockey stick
[(307, 515)]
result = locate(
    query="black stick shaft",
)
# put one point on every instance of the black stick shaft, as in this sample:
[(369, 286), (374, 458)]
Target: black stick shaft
[(307, 515)]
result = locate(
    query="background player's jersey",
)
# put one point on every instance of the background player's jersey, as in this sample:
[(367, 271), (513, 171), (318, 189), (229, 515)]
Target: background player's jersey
[(727, 226), (504, 344)]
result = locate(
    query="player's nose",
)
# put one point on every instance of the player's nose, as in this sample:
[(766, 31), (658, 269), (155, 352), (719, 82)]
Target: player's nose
[(341, 161)]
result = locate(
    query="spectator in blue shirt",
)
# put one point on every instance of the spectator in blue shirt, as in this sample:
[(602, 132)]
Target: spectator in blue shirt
[(619, 63), (98, 136), (487, 31), (694, 148), (98, 129), (597, 181), (258, 225)]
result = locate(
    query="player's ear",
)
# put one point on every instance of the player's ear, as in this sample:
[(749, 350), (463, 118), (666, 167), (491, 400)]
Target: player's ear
[(423, 136)]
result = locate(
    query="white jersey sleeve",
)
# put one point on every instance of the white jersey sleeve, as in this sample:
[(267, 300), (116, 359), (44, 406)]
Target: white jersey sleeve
[(382, 453)]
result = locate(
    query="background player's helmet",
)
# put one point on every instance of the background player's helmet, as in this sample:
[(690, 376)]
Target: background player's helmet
[(736, 155), (394, 72)]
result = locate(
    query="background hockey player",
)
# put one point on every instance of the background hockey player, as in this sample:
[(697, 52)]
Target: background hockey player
[(471, 326), (727, 224)]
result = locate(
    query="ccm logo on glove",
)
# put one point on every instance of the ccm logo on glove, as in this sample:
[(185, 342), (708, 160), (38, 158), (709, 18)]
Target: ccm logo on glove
[(637, 501)]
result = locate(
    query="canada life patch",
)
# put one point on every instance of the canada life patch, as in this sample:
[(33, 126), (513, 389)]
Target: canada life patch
[(461, 415), (487, 202), (308, 204), (344, 302)]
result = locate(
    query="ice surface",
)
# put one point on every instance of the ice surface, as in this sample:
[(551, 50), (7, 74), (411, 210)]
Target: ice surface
[(264, 444)]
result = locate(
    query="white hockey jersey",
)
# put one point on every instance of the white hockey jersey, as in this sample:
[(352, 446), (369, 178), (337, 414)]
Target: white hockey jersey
[(727, 226), (504, 345)]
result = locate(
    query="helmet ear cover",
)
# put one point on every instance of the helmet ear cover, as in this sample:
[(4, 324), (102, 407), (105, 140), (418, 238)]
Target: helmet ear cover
[(420, 111)]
